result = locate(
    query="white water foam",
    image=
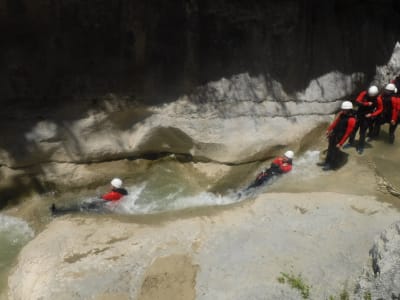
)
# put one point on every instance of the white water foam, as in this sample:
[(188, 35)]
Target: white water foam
[(131, 204), (305, 166), (15, 230), (147, 197)]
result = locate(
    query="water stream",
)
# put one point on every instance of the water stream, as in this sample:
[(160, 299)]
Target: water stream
[(169, 185), (14, 234)]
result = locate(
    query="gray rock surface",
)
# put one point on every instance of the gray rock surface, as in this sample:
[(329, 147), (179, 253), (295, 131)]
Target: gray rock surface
[(381, 277), (235, 253)]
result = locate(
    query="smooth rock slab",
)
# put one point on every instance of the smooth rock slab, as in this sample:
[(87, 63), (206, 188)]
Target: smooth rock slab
[(236, 253)]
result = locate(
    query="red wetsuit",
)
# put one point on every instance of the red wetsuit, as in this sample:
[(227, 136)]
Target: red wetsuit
[(115, 194), (364, 101), (282, 163), (342, 127), (395, 109)]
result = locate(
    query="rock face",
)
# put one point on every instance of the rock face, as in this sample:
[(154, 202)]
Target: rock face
[(83, 82), (56, 49), (233, 120), (381, 278), (235, 253)]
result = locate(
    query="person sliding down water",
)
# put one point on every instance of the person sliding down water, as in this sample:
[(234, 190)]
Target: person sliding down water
[(98, 205), (117, 191), (280, 165)]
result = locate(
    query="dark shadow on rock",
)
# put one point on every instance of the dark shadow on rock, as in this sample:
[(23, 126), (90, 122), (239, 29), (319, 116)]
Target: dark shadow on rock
[(69, 54), (342, 159)]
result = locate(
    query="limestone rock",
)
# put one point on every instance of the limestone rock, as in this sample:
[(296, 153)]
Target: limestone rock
[(235, 253), (381, 278)]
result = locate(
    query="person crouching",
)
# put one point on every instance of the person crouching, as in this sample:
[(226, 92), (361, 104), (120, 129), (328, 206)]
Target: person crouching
[(337, 133)]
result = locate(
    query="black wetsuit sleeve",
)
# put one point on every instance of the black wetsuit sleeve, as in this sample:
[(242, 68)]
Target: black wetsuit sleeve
[(122, 191)]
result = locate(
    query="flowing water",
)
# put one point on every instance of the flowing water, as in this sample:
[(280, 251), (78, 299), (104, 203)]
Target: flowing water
[(14, 233), (169, 185)]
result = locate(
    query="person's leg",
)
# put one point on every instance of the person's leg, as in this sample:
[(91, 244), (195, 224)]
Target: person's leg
[(330, 156), (261, 179), (93, 206), (392, 129), (377, 126), (363, 130), (370, 125)]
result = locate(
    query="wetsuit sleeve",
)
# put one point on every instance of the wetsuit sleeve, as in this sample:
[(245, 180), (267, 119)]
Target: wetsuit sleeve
[(360, 99), (395, 108), (351, 123), (379, 107), (334, 123)]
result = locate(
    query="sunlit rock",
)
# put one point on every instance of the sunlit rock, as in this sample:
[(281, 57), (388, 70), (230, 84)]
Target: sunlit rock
[(386, 73)]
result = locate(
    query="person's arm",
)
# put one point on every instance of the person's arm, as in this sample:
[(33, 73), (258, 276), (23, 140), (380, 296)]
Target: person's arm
[(379, 107), (351, 123), (395, 110), (334, 123), (360, 99)]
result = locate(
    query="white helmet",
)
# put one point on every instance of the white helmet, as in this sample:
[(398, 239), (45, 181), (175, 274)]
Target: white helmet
[(289, 154), (373, 91), (346, 105), (116, 182), (390, 87)]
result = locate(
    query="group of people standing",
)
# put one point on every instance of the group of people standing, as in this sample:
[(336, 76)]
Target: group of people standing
[(374, 109)]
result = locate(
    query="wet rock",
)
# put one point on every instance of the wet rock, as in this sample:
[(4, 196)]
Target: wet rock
[(236, 253)]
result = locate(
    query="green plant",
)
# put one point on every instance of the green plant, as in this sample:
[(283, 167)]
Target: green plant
[(367, 296), (281, 279), (344, 295), (296, 282)]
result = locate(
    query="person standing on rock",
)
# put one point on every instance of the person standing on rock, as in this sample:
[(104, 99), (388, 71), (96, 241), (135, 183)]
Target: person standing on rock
[(281, 164), (389, 113), (337, 133), (370, 106)]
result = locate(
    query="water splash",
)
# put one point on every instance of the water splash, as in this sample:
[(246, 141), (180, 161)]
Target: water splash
[(135, 204), (305, 166), (15, 230), (14, 234), (169, 190)]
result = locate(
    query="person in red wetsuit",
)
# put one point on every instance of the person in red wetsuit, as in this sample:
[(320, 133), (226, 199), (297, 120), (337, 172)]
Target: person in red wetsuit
[(390, 111), (370, 106), (338, 132), (280, 165), (117, 191)]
